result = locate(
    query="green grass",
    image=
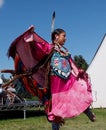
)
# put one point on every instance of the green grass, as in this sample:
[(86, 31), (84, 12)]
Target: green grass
[(40, 123)]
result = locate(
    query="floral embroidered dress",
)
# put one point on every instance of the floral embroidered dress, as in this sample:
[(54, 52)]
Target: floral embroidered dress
[(70, 95)]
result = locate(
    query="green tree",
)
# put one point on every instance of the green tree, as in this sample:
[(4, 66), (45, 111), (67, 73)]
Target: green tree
[(80, 62)]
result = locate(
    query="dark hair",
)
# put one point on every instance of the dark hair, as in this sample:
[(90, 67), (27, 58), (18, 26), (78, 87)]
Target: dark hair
[(56, 31)]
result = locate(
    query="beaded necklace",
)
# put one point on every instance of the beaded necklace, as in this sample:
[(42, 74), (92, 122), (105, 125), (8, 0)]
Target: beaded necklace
[(61, 49)]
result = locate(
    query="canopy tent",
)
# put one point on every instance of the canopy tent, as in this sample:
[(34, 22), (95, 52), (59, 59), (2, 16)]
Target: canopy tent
[(97, 72)]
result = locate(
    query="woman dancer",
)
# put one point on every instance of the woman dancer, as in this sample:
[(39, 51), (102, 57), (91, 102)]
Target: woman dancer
[(69, 86)]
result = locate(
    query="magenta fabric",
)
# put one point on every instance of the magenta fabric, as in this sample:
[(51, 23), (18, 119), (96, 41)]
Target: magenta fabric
[(31, 48), (60, 85), (31, 54), (69, 98)]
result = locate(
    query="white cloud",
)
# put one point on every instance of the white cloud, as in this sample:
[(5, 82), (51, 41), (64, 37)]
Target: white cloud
[(1, 3)]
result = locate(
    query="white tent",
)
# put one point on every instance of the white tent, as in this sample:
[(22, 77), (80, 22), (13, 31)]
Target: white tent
[(97, 73)]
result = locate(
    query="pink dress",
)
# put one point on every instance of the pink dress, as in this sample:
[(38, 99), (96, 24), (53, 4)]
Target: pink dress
[(71, 96)]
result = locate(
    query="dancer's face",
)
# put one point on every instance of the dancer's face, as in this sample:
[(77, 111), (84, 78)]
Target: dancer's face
[(61, 38)]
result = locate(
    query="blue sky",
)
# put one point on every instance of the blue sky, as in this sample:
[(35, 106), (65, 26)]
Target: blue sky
[(83, 20)]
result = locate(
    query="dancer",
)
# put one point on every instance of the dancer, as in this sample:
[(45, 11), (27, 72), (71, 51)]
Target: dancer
[(67, 92), (70, 91)]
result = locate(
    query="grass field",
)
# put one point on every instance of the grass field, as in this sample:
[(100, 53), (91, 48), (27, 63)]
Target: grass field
[(39, 122)]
